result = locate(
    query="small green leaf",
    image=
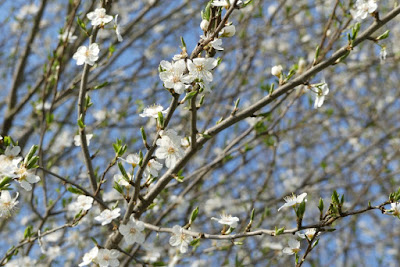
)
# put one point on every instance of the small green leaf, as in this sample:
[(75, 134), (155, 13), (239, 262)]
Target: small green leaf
[(383, 35), (75, 190)]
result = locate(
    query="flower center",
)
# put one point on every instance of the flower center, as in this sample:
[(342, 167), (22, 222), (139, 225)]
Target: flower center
[(175, 79), (171, 150), (133, 231), (295, 250), (200, 68)]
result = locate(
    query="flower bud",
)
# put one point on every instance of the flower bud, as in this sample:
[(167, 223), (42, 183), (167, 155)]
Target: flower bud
[(228, 31), (276, 70), (204, 25)]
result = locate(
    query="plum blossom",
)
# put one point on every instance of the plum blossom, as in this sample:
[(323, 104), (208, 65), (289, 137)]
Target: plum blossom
[(152, 168), (309, 233), (277, 71), (26, 177), (293, 200), (90, 257), (88, 55), (7, 204), (119, 179), (106, 216), (152, 111), (204, 24), (173, 75), (169, 148), (77, 139), (107, 257), (395, 209), (179, 238), (227, 220), (132, 159), (67, 36), (99, 17), (118, 29), (216, 44), (320, 92), (227, 31), (132, 231), (363, 8), (200, 68), (294, 247), (226, 3), (82, 203), (10, 160)]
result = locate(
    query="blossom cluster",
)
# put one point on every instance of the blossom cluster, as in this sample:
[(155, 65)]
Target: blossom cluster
[(90, 54), (15, 167)]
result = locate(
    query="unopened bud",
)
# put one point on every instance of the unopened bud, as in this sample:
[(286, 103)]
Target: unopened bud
[(277, 70), (204, 25)]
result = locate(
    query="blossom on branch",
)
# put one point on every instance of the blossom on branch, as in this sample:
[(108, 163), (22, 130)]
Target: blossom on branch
[(227, 220), (320, 91), (173, 75), (107, 257), (106, 216), (293, 200), (363, 8), (90, 257), (132, 231), (152, 111), (169, 148), (180, 239), (294, 247), (118, 29), (200, 68), (99, 17), (88, 55), (7, 204)]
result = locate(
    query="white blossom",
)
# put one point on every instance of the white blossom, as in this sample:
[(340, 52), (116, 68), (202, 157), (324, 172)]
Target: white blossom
[(90, 257), (293, 200), (99, 17), (106, 216), (119, 179), (9, 161), (294, 247), (132, 231), (152, 167), (77, 139), (152, 111), (173, 75), (216, 44), (204, 24), (118, 29), (67, 36), (88, 55), (277, 71), (320, 92), (226, 3), (107, 257), (132, 159), (309, 233), (169, 148), (227, 220), (227, 31), (82, 203), (363, 8), (180, 239), (395, 209), (7, 204), (26, 177), (200, 68)]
